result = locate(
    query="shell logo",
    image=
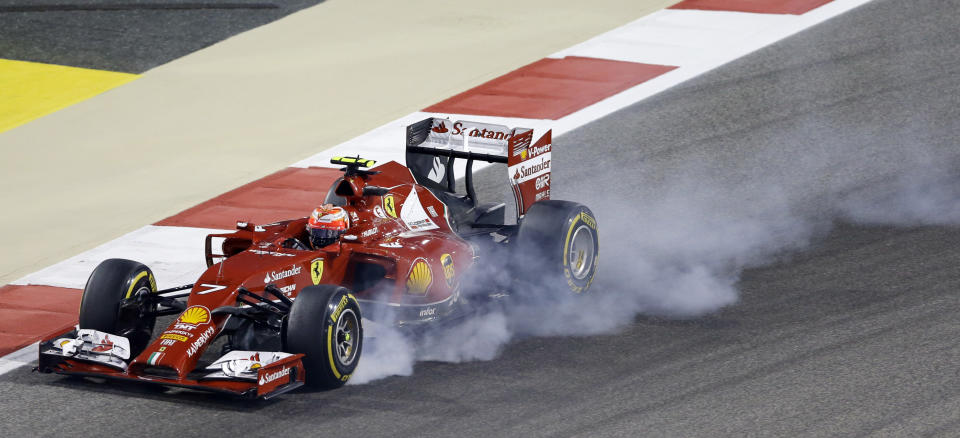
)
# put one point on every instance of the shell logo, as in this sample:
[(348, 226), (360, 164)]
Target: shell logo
[(420, 278), (195, 315)]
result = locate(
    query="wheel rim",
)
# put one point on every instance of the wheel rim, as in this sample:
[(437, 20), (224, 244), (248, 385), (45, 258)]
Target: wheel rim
[(143, 291), (132, 322), (347, 336), (581, 255)]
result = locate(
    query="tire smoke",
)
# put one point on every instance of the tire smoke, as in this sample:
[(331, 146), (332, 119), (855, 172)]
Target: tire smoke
[(676, 247), (740, 168)]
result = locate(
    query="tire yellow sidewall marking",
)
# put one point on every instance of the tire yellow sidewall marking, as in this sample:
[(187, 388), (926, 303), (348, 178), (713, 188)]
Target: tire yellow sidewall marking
[(330, 348), (134, 282), (566, 243), (566, 252)]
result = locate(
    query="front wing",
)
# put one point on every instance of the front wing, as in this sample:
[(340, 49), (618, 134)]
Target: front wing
[(269, 381)]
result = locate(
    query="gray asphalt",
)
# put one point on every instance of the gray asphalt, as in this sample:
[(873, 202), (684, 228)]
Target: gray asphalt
[(126, 36), (843, 327)]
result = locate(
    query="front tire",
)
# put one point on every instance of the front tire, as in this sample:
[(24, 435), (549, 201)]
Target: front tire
[(116, 300), (325, 325), (557, 246)]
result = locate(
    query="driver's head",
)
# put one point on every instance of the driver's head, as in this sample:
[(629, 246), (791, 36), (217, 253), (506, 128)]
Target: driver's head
[(326, 224)]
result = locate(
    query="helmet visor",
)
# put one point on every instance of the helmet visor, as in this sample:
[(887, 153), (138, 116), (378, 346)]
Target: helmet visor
[(320, 237)]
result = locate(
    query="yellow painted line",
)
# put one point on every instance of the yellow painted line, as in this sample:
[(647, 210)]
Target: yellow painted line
[(30, 90)]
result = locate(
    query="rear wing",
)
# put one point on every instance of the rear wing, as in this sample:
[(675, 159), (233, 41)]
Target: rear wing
[(434, 144)]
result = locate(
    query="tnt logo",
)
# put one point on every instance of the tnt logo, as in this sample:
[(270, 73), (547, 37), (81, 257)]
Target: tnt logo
[(543, 181)]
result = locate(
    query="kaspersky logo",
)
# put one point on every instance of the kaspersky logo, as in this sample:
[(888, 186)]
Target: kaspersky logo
[(200, 341)]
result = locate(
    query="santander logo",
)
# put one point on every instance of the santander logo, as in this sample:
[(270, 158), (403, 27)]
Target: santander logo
[(269, 377), (459, 129), (482, 133), (277, 276), (525, 172)]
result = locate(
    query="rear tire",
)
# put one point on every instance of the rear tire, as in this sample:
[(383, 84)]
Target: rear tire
[(325, 325), (115, 300), (557, 246)]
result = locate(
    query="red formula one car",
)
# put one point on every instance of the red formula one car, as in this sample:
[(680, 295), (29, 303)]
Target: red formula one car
[(282, 312)]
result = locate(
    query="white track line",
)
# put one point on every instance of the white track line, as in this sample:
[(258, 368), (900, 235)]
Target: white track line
[(684, 38), (19, 358), (174, 254)]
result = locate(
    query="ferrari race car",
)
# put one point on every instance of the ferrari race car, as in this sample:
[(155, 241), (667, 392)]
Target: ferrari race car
[(283, 313)]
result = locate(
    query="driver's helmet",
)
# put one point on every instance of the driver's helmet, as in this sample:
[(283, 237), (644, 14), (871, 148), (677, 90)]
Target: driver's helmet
[(326, 225)]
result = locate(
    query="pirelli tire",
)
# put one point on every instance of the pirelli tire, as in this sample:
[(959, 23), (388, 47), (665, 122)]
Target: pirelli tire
[(325, 325), (557, 246), (116, 300)]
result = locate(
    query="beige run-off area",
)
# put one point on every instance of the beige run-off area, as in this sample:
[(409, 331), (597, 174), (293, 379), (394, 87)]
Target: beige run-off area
[(255, 103)]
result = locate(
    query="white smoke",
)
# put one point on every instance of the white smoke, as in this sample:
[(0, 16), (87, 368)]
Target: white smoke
[(680, 225), (678, 248), (389, 353), (393, 353), (678, 253), (477, 338), (921, 197)]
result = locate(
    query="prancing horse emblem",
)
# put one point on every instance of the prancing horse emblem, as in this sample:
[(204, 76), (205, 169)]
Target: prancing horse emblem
[(389, 206), (316, 270)]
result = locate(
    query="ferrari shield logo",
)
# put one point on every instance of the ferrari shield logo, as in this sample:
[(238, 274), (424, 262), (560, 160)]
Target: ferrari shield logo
[(389, 207), (316, 270)]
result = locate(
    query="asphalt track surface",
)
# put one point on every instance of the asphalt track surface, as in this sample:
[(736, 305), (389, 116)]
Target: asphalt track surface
[(855, 335), (126, 36)]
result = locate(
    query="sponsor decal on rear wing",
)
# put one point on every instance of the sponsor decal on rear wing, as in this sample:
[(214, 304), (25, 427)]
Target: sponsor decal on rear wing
[(528, 168), (470, 137), (434, 143)]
